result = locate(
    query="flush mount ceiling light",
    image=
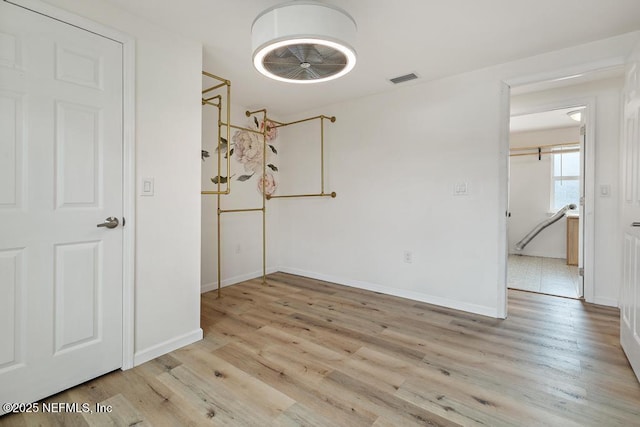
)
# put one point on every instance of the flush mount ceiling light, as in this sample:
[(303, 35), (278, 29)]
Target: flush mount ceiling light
[(575, 115), (303, 42)]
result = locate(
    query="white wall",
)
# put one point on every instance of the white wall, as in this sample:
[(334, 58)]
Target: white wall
[(530, 194), (394, 158), (607, 273), (167, 254)]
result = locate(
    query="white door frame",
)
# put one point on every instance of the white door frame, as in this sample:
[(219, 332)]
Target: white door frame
[(128, 190), (503, 201), (589, 232)]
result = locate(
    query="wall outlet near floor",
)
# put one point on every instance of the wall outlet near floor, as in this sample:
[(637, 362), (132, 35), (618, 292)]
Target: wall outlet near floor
[(460, 189), (238, 248), (407, 256)]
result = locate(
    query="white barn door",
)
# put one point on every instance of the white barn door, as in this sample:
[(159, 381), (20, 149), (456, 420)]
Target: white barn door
[(61, 157), (630, 295)]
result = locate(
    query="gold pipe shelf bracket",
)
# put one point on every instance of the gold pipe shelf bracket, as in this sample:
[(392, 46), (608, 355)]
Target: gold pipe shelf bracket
[(215, 87), (219, 104), (241, 128), (333, 195), (218, 97), (221, 211), (251, 113), (322, 118), (332, 119), (264, 132), (219, 192)]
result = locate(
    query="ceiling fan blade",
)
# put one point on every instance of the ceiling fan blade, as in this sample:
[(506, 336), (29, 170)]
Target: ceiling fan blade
[(305, 61)]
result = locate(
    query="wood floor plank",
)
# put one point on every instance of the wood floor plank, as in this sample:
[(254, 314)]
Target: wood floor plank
[(157, 403), (264, 401), (327, 405), (378, 401), (302, 352), (473, 405), (377, 369), (121, 413), (299, 415)]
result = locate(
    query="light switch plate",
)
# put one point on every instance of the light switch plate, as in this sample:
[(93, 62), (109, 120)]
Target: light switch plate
[(147, 187), (460, 189)]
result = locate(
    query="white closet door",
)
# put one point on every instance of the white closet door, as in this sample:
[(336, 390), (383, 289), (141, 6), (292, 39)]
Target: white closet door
[(61, 157), (630, 295)]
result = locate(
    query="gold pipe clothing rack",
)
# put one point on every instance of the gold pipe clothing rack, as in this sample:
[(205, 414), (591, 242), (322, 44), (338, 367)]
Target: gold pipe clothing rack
[(266, 128)]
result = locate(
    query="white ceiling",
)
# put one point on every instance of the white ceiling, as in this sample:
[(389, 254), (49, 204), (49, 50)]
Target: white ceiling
[(432, 38), (602, 74), (554, 119)]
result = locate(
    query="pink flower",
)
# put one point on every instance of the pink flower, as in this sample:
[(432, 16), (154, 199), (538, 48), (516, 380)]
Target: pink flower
[(267, 184), (272, 130), (248, 150)]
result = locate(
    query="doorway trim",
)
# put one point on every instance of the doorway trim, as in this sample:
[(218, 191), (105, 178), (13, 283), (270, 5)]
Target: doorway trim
[(558, 74), (589, 181), (128, 136), (588, 247)]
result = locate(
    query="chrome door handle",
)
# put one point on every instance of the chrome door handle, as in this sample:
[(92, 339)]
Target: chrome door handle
[(635, 224), (111, 222)]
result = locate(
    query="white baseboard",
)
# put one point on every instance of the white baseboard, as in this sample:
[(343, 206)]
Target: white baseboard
[(207, 287), (166, 347), (417, 296), (609, 302)]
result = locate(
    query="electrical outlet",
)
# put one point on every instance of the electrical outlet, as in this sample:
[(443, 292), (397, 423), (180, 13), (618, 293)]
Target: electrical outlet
[(407, 256), (238, 248), (460, 189)]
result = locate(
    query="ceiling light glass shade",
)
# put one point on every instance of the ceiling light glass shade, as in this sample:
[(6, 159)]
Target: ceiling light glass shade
[(575, 115), (303, 42)]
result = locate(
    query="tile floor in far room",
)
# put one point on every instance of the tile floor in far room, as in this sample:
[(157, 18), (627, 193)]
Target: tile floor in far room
[(546, 275)]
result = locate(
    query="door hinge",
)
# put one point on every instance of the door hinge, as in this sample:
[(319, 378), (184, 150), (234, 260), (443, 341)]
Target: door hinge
[(583, 130), (581, 200), (581, 272)]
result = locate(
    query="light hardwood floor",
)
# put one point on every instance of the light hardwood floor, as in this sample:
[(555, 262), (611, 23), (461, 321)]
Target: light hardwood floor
[(301, 352)]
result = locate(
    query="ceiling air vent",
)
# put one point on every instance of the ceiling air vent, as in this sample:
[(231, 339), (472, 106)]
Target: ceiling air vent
[(402, 79)]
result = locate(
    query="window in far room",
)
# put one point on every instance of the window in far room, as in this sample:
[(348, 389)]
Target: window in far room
[(565, 177)]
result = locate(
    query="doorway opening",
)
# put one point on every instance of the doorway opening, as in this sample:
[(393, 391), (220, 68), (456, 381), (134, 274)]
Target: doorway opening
[(546, 187), (598, 89)]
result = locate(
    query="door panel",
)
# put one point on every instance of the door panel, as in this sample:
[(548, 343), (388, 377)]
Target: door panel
[(634, 315), (76, 291), (627, 286), (81, 68), (630, 125), (11, 150), (9, 51), (12, 307), (61, 156), (78, 153), (630, 292)]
